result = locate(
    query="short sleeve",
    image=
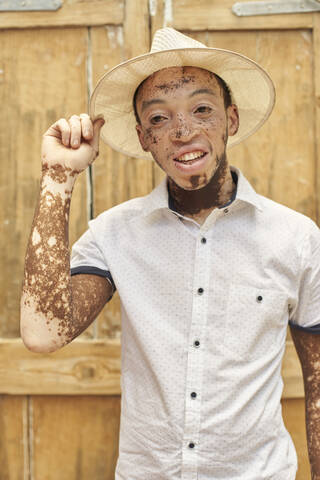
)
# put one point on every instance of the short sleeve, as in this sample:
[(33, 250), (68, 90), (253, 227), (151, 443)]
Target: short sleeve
[(87, 258), (306, 315)]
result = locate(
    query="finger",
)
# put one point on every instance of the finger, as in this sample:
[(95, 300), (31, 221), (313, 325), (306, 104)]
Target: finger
[(86, 126), (65, 131), (75, 127), (97, 125), (61, 130)]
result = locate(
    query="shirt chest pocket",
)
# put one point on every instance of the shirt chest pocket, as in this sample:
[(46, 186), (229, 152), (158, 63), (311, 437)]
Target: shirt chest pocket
[(256, 321)]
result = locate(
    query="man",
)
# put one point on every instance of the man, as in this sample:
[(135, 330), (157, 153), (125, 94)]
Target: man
[(209, 272)]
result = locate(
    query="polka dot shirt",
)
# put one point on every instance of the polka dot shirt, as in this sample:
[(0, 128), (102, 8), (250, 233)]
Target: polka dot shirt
[(205, 311)]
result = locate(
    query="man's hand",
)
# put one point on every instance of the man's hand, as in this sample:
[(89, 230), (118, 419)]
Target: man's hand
[(73, 144)]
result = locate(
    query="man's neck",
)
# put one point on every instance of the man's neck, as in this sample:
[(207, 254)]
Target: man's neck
[(198, 204)]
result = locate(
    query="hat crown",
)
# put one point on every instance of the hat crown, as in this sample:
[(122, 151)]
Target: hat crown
[(168, 39)]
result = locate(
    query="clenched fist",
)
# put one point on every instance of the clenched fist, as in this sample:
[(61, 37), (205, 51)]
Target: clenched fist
[(71, 144)]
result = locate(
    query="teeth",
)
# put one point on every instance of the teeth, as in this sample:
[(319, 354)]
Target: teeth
[(190, 156)]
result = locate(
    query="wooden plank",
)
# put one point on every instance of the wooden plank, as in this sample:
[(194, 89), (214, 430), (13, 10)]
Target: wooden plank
[(291, 373), (83, 367), (217, 15), (316, 80), (38, 84), (136, 26), (90, 367), (117, 178), (75, 438), (72, 13), (293, 412), (14, 455), (157, 12)]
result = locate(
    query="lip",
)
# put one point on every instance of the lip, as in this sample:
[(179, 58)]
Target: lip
[(192, 168)]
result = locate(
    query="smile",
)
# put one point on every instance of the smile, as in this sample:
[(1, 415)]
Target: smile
[(188, 157), (193, 166)]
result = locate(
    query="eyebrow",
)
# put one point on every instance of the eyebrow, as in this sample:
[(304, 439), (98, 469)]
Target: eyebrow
[(147, 103)]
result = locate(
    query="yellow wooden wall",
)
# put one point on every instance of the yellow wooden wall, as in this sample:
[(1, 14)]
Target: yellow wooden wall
[(59, 413)]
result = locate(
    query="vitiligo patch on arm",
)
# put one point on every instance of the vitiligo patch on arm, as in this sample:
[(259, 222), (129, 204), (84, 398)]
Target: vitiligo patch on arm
[(46, 291)]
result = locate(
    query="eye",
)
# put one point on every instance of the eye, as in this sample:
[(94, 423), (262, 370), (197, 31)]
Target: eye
[(203, 109), (157, 119)]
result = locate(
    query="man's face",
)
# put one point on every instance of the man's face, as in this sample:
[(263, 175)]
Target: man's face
[(184, 123)]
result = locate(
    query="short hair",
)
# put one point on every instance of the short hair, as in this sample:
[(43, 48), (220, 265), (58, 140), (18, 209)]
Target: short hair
[(222, 84)]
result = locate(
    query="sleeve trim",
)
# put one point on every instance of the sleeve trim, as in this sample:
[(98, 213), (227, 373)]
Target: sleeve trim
[(85, 269), (314, 329)]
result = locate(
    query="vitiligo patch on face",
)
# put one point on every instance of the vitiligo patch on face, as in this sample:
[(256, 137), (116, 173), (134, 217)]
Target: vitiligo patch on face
[(182, 109), (174, 84), (215, 193)]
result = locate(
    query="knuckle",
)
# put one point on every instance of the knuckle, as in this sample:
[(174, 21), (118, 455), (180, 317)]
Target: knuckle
[(74, 119), (61, 123)]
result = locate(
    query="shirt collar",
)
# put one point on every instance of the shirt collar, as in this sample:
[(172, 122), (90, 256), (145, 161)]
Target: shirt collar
[(159, 197)]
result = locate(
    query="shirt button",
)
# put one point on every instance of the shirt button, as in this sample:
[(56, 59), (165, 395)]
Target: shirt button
[(200, 291), (226, 210), (196, 343), (203, 240), (191, 445), (259, 298), (193, 394)]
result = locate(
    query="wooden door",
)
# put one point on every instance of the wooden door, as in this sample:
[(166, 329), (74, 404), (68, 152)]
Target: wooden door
[(59, 413)]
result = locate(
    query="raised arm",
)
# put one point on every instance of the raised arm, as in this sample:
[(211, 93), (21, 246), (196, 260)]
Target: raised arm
[(56, 308), (308, 349)]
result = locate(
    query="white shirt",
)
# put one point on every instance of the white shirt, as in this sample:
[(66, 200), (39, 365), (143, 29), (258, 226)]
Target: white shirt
[(201, 369)]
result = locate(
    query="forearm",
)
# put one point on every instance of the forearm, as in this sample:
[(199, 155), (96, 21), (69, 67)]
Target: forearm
[(312, 399), (46, 303), (52, 314), (307, 346)]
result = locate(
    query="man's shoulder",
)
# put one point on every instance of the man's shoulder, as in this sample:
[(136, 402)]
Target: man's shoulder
[(284, 215)]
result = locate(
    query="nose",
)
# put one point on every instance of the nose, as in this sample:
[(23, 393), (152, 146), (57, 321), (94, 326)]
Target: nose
[(183, 130)]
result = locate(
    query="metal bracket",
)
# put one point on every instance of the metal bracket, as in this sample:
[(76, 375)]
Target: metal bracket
[(274, 7), (29, 5)]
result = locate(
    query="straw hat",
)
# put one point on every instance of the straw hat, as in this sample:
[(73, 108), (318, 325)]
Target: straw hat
[(251, 87)]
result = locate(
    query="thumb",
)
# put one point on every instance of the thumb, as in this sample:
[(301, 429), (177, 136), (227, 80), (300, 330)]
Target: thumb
[(97, 125)]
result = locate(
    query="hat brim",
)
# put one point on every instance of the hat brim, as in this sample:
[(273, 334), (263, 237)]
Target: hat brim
[(252, 90)]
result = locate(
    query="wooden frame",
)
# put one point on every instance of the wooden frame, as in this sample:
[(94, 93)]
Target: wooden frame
[(87, 13), (217, 15)]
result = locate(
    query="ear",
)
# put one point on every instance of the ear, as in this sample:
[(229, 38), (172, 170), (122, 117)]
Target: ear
[(141, 137), (233, 119)]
